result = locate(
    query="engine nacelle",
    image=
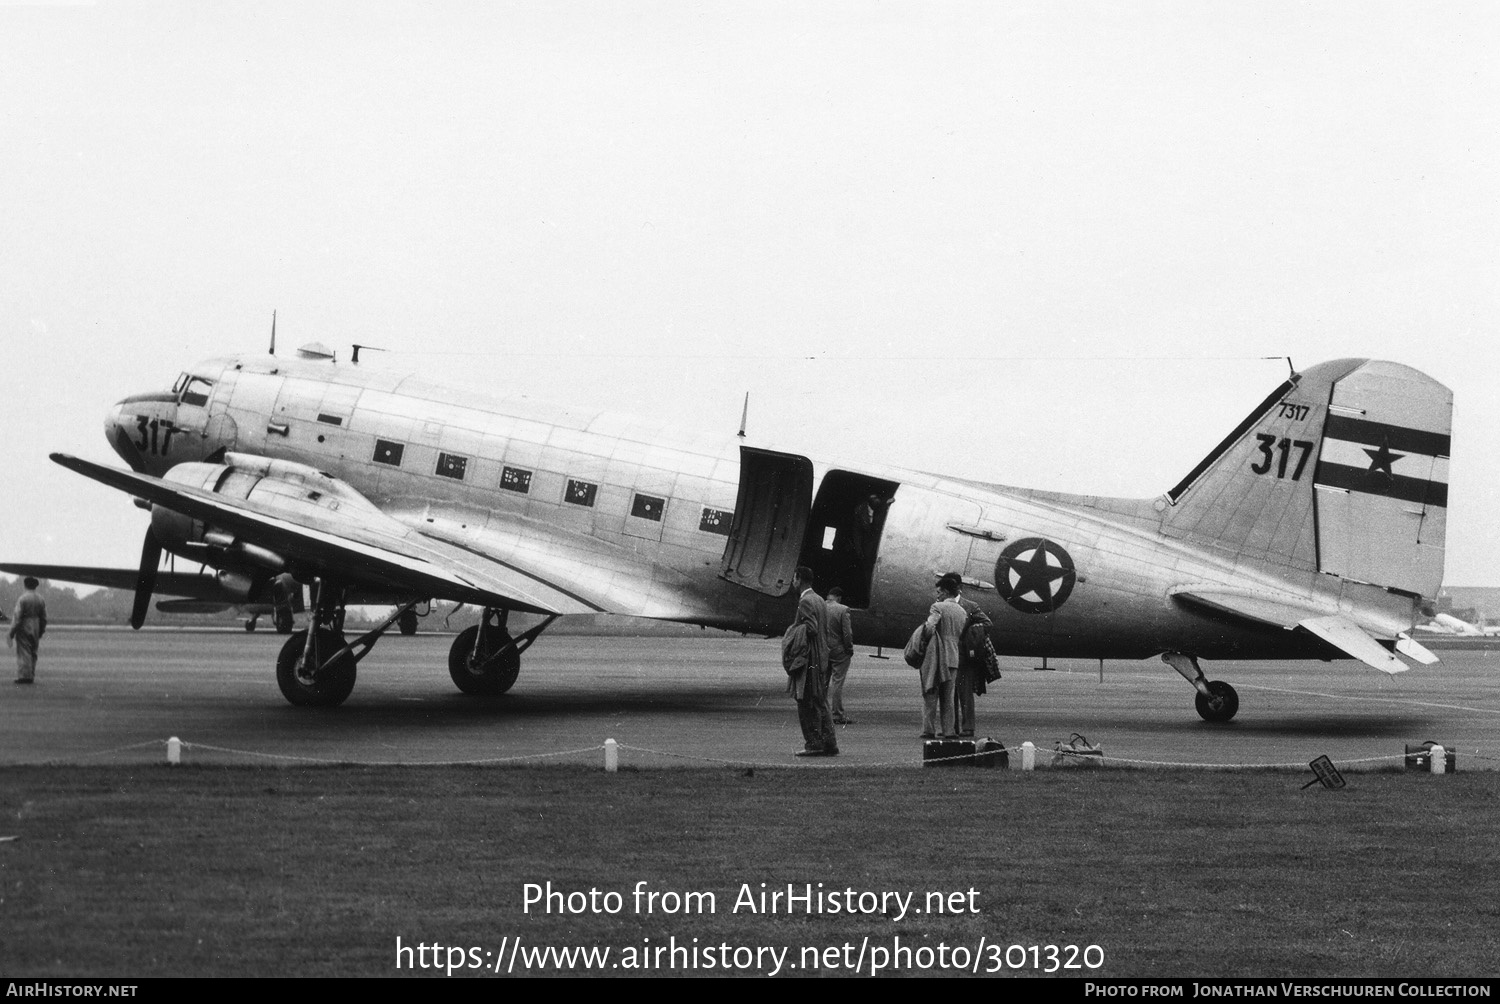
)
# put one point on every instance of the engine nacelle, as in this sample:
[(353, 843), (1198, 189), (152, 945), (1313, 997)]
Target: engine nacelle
[(284, 486), (237, 584), (192, 538)]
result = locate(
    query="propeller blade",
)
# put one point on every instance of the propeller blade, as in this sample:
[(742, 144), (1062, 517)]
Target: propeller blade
[(145, 581)]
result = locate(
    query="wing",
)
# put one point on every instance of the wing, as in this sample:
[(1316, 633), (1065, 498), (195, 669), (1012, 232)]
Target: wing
[(353, 543), (193, 586)]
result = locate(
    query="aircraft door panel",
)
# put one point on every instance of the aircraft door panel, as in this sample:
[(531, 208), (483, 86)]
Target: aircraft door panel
[(251, 403), (770, 518)]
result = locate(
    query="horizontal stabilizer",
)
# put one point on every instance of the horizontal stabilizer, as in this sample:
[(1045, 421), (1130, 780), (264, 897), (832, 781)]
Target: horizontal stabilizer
[(1347, 636), (1289, 612), (1282, 612), (1413, 650)]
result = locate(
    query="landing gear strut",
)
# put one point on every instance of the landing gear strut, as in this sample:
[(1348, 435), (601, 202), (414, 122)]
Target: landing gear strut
[(1216, 700), (320, 673), (485, 659)]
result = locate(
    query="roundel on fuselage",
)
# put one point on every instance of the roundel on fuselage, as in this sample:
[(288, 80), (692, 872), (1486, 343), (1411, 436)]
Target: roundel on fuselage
[(1034, 575)]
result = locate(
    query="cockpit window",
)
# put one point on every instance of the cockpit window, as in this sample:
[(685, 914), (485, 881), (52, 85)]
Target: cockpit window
[(192, 389)]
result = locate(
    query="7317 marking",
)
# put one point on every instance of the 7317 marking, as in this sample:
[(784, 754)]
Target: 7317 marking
[(1296, 412), (1277, 451)]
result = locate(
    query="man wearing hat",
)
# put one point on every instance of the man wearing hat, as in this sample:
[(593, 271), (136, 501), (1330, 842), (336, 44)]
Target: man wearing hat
[(970, 678), (28, 624), (944, 628)]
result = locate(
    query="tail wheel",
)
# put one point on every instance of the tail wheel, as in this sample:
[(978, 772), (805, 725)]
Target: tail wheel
[(329, 686), (496, 678), (1221, 703)]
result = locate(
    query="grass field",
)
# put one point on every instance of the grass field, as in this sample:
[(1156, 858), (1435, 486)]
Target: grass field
[(242, 871)]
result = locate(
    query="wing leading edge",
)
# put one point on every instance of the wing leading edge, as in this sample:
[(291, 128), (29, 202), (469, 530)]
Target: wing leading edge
[(365, 549)]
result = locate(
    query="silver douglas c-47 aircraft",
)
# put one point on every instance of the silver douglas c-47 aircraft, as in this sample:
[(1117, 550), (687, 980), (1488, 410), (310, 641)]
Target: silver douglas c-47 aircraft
[(1314, 530)]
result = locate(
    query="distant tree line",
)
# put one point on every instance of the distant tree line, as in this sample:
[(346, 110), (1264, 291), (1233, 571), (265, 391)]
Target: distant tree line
[(65, 604)]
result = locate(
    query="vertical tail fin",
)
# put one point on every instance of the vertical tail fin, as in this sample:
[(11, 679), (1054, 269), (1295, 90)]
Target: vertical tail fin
[(1342, 470)]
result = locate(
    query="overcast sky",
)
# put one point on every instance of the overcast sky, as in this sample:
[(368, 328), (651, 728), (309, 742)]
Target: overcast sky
[(1046, 244)]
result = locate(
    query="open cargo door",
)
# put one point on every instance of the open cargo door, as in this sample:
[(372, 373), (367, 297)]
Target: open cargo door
[(770, 518)]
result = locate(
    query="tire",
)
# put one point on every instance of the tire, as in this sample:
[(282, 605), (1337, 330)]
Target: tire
[(497, 680), (407, 623), (1227, 701), (283, 621), (332, 685)]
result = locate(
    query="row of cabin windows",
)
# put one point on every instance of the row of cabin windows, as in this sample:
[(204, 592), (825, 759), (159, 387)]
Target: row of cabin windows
[(580, 493)]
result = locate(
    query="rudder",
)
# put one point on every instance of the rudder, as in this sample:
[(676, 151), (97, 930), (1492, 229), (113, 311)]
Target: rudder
[(1381, 484)]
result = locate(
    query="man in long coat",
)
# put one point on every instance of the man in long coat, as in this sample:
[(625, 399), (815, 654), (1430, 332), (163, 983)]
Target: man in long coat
[(944, 627), (970, 679), (808, 682)]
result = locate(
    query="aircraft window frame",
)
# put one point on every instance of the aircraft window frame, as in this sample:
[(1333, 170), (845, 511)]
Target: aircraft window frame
[(186, 394), (516, 479), (641, 507), (581, 493), (392, 452), (451, 465), (716, 521)]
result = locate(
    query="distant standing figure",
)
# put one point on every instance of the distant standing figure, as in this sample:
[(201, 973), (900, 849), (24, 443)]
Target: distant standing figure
[(944, 627), (970, 679), (867, 517), (809, 684), (840, 653), (28, 624)]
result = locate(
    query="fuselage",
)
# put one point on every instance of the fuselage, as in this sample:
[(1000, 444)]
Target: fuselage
[(641, 519)]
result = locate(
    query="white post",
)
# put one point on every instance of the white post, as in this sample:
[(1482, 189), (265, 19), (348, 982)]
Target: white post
[(174, 751), (611, 756), (1439, 763), (1028, 755)]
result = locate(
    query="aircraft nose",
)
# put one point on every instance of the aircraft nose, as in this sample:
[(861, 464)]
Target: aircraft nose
[(117, 431)]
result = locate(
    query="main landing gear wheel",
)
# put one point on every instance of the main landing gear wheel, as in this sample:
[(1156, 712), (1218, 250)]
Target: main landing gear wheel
[(466, 662), (329, 686), (1220, 705)]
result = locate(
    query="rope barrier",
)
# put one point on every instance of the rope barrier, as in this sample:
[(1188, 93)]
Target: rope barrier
[(1060, 758), (396, 763), (752, 763)]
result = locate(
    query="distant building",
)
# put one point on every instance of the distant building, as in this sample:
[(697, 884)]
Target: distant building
[(1476, 604)]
